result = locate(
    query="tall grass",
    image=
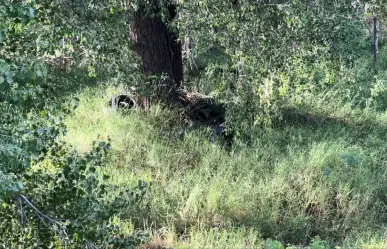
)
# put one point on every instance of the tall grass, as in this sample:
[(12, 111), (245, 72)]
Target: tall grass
[(295, 183)]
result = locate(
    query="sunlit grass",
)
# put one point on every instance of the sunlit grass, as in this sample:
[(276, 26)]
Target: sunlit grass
[(292, 184)]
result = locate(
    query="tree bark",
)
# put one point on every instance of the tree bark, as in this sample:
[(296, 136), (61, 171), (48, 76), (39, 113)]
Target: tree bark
[(158, 48), (161, 54), (376, 42)]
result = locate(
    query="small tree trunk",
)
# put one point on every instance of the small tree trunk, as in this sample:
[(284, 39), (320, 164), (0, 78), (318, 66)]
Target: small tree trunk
[(159, 49), (191, 64), (376, 42)]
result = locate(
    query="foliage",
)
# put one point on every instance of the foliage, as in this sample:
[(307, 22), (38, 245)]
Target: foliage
[(276, 48), (79, 207), (47, 48)]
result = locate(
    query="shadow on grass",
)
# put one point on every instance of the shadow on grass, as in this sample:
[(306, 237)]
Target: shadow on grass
[(322, 126), (62, 84)]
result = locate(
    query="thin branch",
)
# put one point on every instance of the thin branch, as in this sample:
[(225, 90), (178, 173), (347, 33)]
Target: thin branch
[(22, 212), (48, 221), (39, 212)]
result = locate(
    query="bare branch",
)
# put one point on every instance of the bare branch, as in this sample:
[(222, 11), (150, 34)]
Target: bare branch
[(48, 221)]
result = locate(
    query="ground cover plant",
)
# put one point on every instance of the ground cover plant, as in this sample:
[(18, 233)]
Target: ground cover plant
[(292, 183)]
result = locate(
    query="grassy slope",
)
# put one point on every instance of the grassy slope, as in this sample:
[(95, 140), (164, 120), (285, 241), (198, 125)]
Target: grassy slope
[(325, 178)]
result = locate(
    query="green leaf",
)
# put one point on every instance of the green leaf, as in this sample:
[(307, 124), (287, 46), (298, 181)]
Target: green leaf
[(4, 67), (32, 12), (2, 36), (3, 84), (20, 185), (9, 74), (10, 80), (44, 71)]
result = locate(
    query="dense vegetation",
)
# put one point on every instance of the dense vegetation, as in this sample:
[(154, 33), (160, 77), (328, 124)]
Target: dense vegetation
[(303, 86)]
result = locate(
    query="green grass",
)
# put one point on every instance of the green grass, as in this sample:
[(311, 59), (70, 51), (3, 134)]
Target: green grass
[(297, 182)]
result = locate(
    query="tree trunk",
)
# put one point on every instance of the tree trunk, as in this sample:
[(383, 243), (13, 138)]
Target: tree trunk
[(159, 49), (161, 54), (376, 42)]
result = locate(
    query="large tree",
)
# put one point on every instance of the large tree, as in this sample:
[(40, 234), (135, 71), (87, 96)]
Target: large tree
[(156, 42), (157, 45)]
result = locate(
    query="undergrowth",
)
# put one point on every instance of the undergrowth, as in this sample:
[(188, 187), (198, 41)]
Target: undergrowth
[(320, 184)]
